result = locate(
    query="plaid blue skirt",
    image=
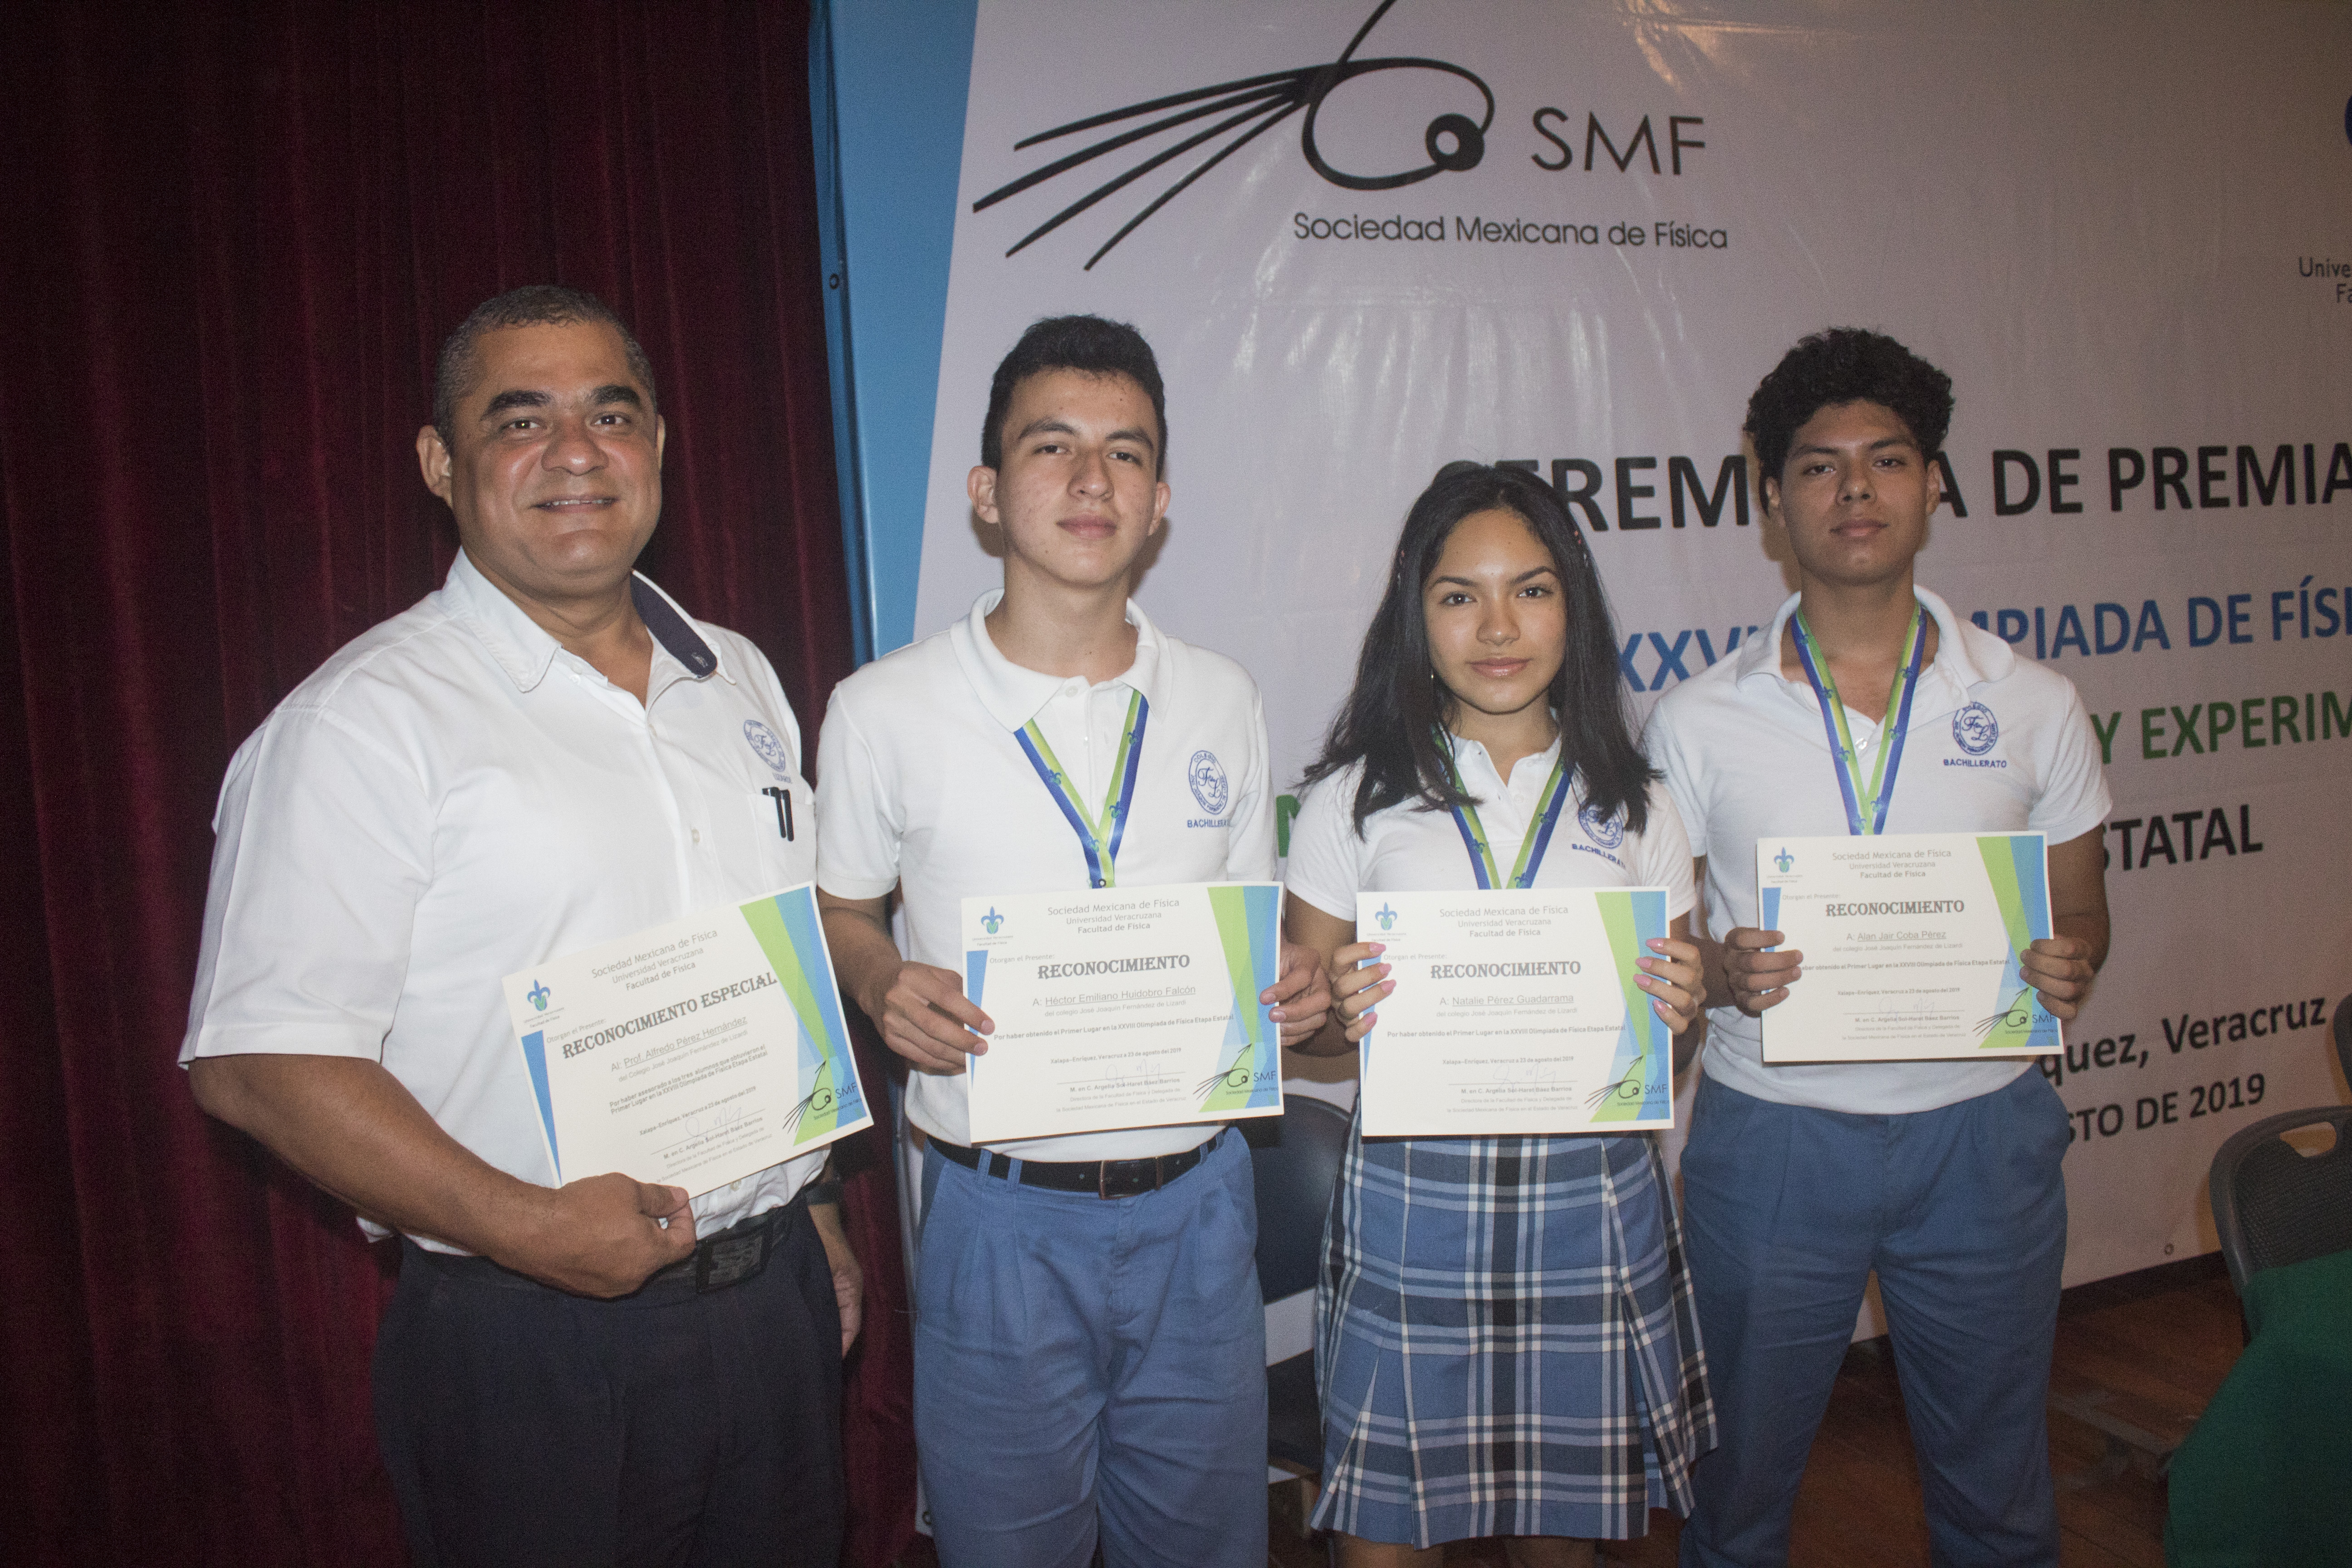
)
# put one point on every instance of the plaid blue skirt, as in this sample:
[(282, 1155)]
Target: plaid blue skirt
[(1505, 1342)]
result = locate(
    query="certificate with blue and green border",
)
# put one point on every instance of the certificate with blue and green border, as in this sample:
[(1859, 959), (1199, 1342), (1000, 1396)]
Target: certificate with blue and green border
[(1123, 1008), (1912, 943), (694, 1053), (1514, 1012)]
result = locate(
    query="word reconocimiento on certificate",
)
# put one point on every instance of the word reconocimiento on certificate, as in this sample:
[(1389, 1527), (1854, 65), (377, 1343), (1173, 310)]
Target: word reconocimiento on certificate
[(669, 1014), (1080, 971), (1505, 971), (1900, 907)]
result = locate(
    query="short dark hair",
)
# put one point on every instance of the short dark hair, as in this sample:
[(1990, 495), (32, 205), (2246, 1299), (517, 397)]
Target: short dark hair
[(1087, 345), (1392, 719), (459, 370), (1845, 364)]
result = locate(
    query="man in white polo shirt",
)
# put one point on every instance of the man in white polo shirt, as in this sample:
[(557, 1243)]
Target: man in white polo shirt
[(1943, 1176), (545, 754), (1089, 1342)]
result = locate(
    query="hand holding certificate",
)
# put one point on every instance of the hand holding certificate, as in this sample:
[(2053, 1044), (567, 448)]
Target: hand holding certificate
[(691, 1054), (1516, 1011), (1912, 943), (1123, 1008)]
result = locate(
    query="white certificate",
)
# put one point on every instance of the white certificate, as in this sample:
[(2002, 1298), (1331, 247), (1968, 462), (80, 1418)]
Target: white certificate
[(1514, 1012), (695, 1053), (1123, 1008), (1911, 944)]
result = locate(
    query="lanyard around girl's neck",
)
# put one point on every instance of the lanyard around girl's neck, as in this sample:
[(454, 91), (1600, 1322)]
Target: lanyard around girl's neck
[(1865, 803), (1531, 847), (1098, 836)]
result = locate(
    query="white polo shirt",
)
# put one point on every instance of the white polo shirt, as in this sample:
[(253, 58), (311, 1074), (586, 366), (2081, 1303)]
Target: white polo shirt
[(453, 797), (1997, 744), (923, 786), (1407, 849)]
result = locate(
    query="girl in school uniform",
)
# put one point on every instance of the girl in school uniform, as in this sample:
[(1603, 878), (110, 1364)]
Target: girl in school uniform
[(1505, 1342)]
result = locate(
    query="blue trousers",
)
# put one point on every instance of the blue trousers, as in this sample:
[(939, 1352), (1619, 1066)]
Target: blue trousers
[(1962, 1213), (1082, 1363)]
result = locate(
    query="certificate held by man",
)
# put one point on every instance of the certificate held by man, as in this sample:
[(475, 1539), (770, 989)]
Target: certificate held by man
[(1123, 1008), (1911, 944), (693, 1053), (1515, 1011)]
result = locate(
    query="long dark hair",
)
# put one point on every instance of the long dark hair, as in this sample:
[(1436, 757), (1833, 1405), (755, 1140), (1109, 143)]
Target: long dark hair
[(1391, 721)]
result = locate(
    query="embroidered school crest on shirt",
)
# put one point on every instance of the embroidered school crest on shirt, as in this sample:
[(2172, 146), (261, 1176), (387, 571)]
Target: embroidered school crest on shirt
[(1606, 831), (770, 747), (1208, 782), (1975, 729)]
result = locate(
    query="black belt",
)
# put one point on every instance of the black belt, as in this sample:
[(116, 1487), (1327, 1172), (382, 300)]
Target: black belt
[(1103, 1178), (736, 1254), (727, 1257)]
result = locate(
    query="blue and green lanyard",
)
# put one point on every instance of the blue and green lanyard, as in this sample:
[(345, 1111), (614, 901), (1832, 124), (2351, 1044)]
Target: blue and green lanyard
[(1098, 836), (1531, 847), (1865, 803)]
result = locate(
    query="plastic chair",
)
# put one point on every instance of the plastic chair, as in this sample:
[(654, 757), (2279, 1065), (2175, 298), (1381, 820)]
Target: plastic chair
[(1296, 1163), (2274, 1204)]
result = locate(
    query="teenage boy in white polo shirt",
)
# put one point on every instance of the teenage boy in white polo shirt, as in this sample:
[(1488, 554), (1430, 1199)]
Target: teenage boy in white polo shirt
[(1944, 1175), (1089, 1342)]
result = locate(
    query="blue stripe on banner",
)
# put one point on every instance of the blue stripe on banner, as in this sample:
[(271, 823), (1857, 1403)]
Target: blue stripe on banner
[(534, 1056), (1771, 916), (975, 975), (887, 81)]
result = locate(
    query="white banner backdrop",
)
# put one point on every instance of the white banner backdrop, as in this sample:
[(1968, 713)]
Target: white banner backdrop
[(2126, 230)]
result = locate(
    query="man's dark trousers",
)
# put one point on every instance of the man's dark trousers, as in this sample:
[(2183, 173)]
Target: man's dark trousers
[(676, 1426)]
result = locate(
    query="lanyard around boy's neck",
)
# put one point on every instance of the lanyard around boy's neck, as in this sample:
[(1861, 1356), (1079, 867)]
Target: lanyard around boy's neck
[(1531, 847), (1098, 836), (1865, 803)]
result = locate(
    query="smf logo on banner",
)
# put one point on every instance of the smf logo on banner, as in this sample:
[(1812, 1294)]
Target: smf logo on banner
[(1258, 103)]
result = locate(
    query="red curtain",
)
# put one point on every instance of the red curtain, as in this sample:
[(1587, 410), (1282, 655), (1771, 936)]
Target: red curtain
[(231, 238)]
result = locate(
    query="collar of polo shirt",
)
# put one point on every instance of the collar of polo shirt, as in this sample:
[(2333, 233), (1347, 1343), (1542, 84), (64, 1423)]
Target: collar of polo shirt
[(526, 650), (1014, 694), (1957, 664)]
